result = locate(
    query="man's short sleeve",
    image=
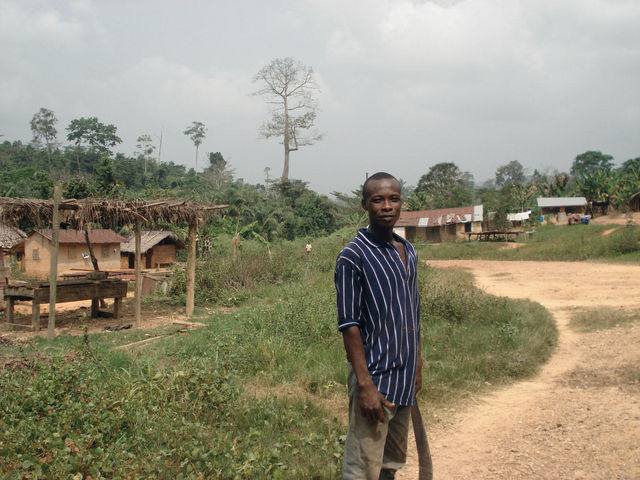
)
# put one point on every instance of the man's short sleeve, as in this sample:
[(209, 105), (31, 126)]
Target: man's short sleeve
[(348, 292)]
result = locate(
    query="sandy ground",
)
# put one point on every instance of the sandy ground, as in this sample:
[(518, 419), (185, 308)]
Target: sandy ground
[(71, 318), (580, 417)]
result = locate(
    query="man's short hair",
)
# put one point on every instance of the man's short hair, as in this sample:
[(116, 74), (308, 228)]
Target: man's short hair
[(376, 176)]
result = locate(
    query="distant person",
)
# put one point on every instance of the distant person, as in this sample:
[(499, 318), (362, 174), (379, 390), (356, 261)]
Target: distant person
[(379, 317), (307, 247)]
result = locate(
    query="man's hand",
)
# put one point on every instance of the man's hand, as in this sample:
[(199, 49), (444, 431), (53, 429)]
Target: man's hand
[(371, 403)]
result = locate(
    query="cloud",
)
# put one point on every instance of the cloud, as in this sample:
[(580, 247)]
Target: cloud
[(24, 23), (170, 85)]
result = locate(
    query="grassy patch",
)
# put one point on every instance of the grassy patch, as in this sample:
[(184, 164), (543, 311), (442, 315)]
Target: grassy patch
[(600, 318), (471, 337), (549, 243)]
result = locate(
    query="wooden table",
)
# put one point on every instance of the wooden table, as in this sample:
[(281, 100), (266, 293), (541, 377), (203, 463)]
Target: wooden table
[(66, 291)]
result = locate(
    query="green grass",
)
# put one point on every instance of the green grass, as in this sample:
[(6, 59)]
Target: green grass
[(549, 243), (213, 404), (601, 318)]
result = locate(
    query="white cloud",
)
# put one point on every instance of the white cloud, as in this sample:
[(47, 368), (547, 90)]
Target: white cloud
[(28, 22)]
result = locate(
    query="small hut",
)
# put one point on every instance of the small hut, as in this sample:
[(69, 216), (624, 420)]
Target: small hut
[(560, 207), (443, 225), (157, 247), (9, 238), (35, 252)]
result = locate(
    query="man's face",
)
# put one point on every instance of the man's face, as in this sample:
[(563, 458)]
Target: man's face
[(383, 201)]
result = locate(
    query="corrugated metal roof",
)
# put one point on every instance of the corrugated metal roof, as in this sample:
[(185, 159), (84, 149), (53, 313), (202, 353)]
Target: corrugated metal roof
[(554, 202), (443, 216), (10, 236), (148, 239), (77, 236)]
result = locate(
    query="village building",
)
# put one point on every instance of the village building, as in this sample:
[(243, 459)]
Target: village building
[(560, 207), (634, 202), (443, 225), (158, 249), (9, 238), (73, 253)]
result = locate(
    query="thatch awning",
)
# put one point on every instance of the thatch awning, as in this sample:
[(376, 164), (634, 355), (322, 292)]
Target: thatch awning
[(108, 213)]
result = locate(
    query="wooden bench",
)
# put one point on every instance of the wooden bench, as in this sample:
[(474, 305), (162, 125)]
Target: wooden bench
[(66, 291)]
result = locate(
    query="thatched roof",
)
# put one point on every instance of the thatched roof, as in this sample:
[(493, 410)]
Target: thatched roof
[(96, 237), (148, 240), (108, 213), (10, 236)]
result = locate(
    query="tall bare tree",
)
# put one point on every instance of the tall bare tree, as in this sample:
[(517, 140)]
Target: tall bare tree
[(289, 85), (197, 133), (43, 126)]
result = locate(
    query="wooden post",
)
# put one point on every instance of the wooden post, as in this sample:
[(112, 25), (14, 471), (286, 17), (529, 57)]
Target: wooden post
[(191, 267), (10, 301), (35, 316), (53, 268), (117, 307), (138, 271)]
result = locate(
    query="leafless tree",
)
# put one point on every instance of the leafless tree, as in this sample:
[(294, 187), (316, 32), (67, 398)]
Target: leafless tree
[(289, 85)]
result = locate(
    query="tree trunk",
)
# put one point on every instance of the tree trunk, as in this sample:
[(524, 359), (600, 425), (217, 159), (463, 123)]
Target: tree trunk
[(287, 140), (197, 158), (94, 260)]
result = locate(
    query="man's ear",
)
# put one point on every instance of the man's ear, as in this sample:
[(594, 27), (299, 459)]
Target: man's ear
[(363, 202)]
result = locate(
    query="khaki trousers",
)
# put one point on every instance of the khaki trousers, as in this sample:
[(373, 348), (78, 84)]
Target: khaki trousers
[(372, 446)]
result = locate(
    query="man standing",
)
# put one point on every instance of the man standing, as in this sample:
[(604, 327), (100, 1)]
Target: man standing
[(379, 317)]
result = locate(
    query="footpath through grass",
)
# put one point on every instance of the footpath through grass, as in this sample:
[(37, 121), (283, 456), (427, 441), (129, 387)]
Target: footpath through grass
[(260, 392)]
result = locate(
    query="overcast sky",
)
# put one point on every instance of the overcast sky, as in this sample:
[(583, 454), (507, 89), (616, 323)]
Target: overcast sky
[(404, 84)]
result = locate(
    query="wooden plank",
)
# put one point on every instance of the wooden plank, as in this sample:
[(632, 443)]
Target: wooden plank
[(73, 293), (189, 324), (141, 342), (19, 325)]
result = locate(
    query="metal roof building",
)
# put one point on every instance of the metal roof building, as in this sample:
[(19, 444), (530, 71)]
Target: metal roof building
[(559, 202)]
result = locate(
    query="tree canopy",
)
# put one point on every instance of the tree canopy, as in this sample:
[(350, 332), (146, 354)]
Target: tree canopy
[(443, 186)]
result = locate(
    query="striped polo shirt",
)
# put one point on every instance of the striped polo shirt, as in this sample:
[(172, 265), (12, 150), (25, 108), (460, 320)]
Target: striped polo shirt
[(378, 295)]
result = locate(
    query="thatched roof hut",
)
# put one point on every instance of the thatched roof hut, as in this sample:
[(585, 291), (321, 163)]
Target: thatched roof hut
[(10, 236), (113, 213)]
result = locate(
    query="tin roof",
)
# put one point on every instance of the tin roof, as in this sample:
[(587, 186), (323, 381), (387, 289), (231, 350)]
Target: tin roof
[(443, 216), (555, 202), (77, 236), (148, 239)]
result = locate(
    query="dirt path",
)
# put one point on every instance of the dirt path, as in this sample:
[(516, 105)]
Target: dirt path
[(580, 417)]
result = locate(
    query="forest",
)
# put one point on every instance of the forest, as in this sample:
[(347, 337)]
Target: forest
[(280, 208)]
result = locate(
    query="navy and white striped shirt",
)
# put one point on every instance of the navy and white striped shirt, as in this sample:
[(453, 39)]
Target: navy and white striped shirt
[(377, 294)]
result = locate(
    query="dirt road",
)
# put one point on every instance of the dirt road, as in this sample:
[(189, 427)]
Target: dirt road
[(580, 417)]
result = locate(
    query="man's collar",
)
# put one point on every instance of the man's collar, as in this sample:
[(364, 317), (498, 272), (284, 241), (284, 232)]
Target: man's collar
[(375, 241)]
